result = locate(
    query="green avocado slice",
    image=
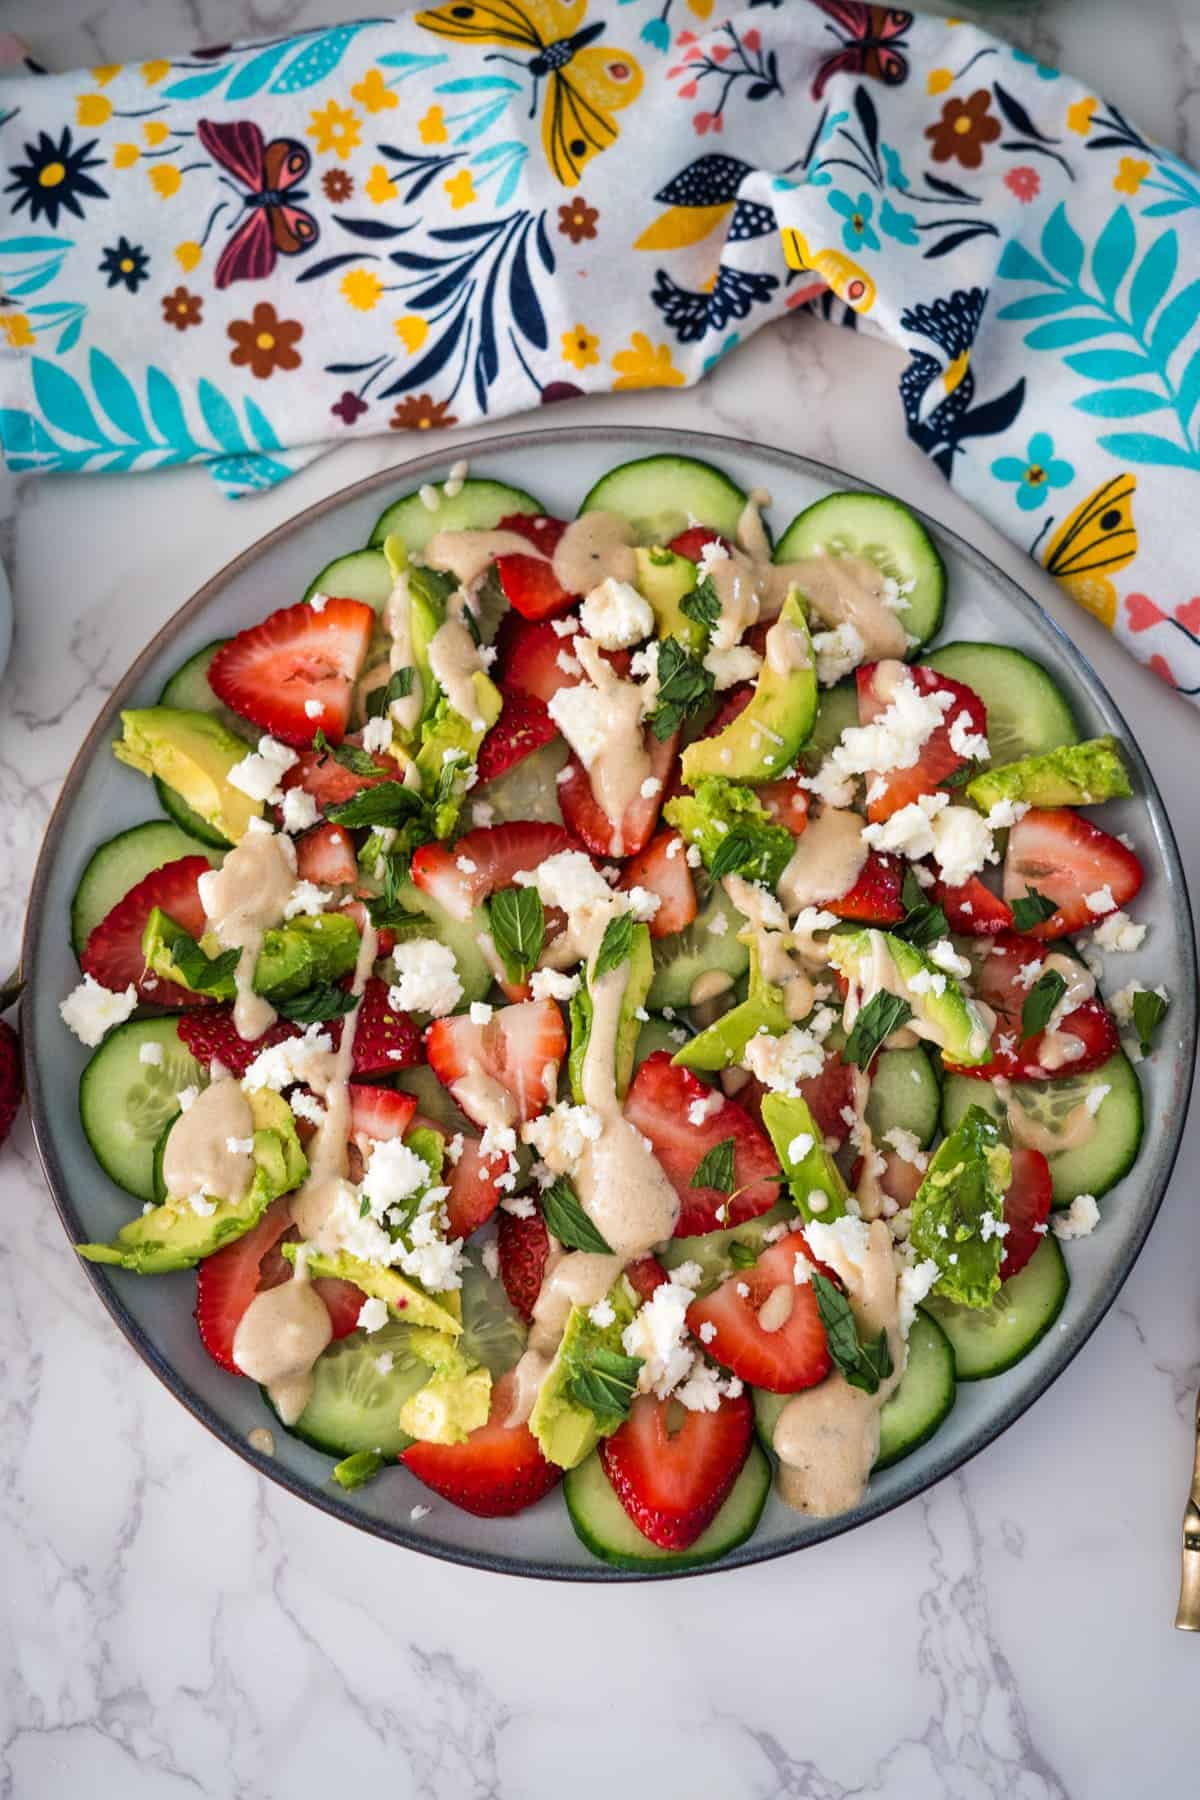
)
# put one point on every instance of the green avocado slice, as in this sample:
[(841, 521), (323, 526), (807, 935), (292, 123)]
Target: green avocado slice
[(193, 753), (947, 1017), (1073, 775), (629, 1025), (766, 736), (810, 1170), (566, 1428), (958, 1207)]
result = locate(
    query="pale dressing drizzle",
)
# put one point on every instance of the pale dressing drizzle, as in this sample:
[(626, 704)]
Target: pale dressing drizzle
[(279, 1338), (197, 1158), (397, 618), (828, 859), (622, 763), (242, 901)]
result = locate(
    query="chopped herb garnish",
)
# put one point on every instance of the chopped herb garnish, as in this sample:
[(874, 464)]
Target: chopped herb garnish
[(924, 920), (607, 1383), (615, 946), (715, 1168), (661, 558), (203, 974), (1040, 1002), (355, 1471), (1149, 1010), (960, 777), (432, 586), (472, 625), (364, 1206), (863, 1365), (1032, 909), (684, 686), (325, 1000), (742, 1256), (883, 1014), (399, 687), (348, 756), (518, 926), (565, 1217), (389, 803), (702, 605), (735, 853)]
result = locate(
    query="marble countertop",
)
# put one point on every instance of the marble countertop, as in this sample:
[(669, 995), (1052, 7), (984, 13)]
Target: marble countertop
[(172, 1625)]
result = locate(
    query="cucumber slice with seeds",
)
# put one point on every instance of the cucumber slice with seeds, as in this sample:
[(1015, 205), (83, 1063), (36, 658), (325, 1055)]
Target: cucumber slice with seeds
[(182, 815), (477, 507), (662, 495), (837, 710), (363, 575), (886, 533), (987, 1340), (529, 789), (1026, 713), (696, 950), (433, 1100), (712, 1251), (124, 1103), (601, 1522), (354, 1405), (118, 865), (905, 1092)]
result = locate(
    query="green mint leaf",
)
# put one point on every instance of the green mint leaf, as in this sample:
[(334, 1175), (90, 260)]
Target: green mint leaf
[(960, 777), (715, 1168), (364, 1207), (324, 1000), (684, 686), (742, 1256), (864, 1366), (348, 756), (702, 605), (735, 853), (444, 786), (615, 946), (1149, 1010), (912, 894), (566, 1218), (518, 926), (389, 803), (399, 687), (1031, 909), (606, 1383), (876, 1021), (1040, 1002), (875, 1364), (200, 972), (924, 920), (472, 625), (433, 586), (355, 1471)]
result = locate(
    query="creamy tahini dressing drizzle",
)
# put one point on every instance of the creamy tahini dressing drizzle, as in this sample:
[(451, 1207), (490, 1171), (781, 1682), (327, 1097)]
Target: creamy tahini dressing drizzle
[(1076, 1129), (622, 763), (397, 618), (467, 554), (591, 549), (242, 901), (827, 1438), (868, 1193), (574, 1278), (197, 1158), (1060, 1048), (774, 946), (828, 859), (313, 1203), (454, 659)]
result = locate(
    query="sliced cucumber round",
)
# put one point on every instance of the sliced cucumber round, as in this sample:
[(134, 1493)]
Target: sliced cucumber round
[(914, 1412), (478, 506), (987, 1340), (118, 865), (354, 1405), (125, 1103), (658, 1034), (886, 533), (460, 935), (696, 950), (529, 789), (1109, 1138), (434, 1102), (188, 689), (838, 709), (181, 814), (493, 1331), (905, 1093), (713, 1251), (1026, 713), (363, 575), (601, 1522), (662, 495)]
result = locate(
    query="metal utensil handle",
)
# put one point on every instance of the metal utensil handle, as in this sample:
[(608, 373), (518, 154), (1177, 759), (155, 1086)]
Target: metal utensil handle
[(1187, 1618)]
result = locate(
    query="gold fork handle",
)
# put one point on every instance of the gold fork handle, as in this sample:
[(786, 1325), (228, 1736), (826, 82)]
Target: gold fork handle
[(1187, 1618)]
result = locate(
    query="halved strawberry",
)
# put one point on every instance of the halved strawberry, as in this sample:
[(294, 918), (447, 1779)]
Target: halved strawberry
[(357, 910), (663, 868), (520, 1047), (499, 1471), (379, 1113), (1027, 1204), (328, 782), (343, 1303), (524, 726), (227, 1282), (690, 543), (268, 672), (937, 759), (973, 909), (113, 952), (673, 1483), (539, 529), (460, 876), (531, 587), (786, 801), (665, 1104), (1000, 986), (384, 1040), (531, 655), (474, 1194), (646, 1275), (734, 701), (326, 855), (875, 896), (212, 1034), (795, 1354), (830, 1095), (524, 1246), (583, 814), (1066, 858)]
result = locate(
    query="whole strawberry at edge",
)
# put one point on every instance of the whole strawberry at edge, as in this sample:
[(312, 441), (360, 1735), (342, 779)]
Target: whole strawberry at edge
[(11, 1084)]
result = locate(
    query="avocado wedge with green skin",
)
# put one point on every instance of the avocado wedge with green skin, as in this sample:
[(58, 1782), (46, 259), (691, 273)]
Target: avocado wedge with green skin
[(724, 1041), (767, 735), (192, 752), (633, 1001), (451, 1405), (1073, 775), (810, 1170), (664, 580), (294, 956), (940, 1008), (175, 1236), (407, 1302), (958, 1207), (567, 1430), (719, 808)]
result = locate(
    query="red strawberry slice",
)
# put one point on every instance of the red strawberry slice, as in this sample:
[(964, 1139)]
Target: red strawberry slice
[(460, 876), (532, 588), (212, 1034), (499, 1471), (583, 814), (297, 654), (384, 1040), (973, 909), (379, 1113), (661, 1102), (113, 953), (787, 803), (875, 896), (646, 1275), (524, 726), (1000, 986), (673, 1484), (531, 654), (733, 702), (539, 529), (521, 1047), (329, 783), (1026, 1207), (690, 543), (829, 1096), (663, 868), (1065, 857), (937, 759), (343, 1303), (326, 856), (474, 1194), (227, 1282), (358, 912), (11, 1081), (795, 1354), (524, 1246)]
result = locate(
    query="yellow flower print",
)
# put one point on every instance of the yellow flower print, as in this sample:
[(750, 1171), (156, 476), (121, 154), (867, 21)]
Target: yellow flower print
[(92, 109), (165, 179), (1131, 174), (373, 93), (700, 8), (15, 327), (432, 126), (1079, 115), (461, 189), (646, 365), (362, 288), (155, 132), (412, 330), (125, 155), (155, 71), (580, 348), (379, 186), (938, 80), (188, 254), (104, 74), (336, 128)]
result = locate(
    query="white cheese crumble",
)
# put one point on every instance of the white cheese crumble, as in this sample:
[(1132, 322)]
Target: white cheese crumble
[(896, 738), (658, 1334), (490, 1256), (296, 1059), (781, 1063), (561, 1135), (480, 1012), (551, 984), (1006, 813), (1118, 932), (372, 1314), (1080, 1219), (152, 1054), (187, 1097), (299, 810), (90, 1010), (377, 734), (259, 773), (615, 616), (1101, 901), (602, 1313), (971, 745), (915, 1282), (907, 1146), (426, 978), (729, 667), (700, 1110), (306, 897), (651, 786), (838, 652)]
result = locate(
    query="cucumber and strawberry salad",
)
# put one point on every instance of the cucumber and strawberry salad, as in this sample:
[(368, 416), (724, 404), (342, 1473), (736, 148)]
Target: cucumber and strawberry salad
[(862, 902)]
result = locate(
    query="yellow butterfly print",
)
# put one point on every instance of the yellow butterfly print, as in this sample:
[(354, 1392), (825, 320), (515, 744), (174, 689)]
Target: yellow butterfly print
[(849, 281), (1099, 535), (586, 82)]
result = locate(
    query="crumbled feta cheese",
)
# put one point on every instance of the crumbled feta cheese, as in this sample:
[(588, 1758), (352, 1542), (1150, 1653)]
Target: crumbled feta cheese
[(187, 1097), (384, 1362), (657, 1333), (781, 1063), (566, 880), (318, 602), (482, 814), (711, 554), (838, 652), (152, 1054), (299, 810), (201, 1205), (742, 1290), (602, 1313), (570, 665), (686, 1274), (962, 844), (393, 1174), (91, 1009), (417, 1513), (909, 830), (707, 1332), (1028, 973), (896, 738), (306, 1106), (426, 978), (480, 1012), (564, 628), (946, 957), (306, 897), (313, 709), (800, 1146), (377, 734), (490, 1255), (372, 1314), (818, 1200), (1006, 813), (642, 903), (1122, 1001), (615, 615), (651, 786), (915, 1282), (971, 745), (907, 1146), (259, 773), (1101, 901), (296, 1059), (1080, 1219), (700, 1110), (729, 667), (1118, 932), (240, 1146), (521, 1206), (561, 1135), (551, 984), (843, 1240), (718, 925)]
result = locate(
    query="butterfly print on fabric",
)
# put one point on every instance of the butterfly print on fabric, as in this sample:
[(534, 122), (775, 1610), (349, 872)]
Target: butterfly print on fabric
[(871, 40), (271, 224)]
